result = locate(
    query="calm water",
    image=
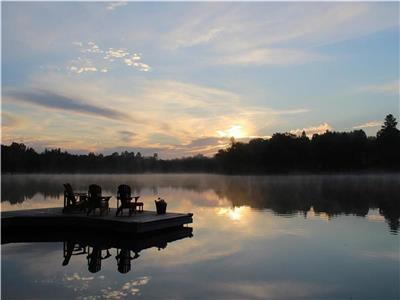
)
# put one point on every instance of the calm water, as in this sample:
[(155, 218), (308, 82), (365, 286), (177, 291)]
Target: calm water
[(272, 237)]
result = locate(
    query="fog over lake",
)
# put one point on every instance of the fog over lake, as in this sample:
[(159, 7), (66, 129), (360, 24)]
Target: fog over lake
[(253, 237)]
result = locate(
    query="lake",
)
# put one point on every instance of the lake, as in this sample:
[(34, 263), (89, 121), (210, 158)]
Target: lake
[(253, 237)]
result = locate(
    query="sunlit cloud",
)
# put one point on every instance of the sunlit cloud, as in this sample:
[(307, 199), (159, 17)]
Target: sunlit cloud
[(371, 124), (83, 65), (320, 129), (171, 118), (100, 60), (112, 54), (90, 48), (235, 131)]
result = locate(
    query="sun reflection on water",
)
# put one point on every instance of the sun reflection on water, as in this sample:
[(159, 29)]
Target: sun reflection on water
[(234, 213)]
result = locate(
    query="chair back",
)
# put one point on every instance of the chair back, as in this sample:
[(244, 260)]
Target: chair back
[(94, 194), (124, 192), (69, 192)]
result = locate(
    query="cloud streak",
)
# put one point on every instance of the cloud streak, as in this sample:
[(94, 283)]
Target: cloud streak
[(392, 87), (310, 131), (369, 125), (260, 56), (56, 101)]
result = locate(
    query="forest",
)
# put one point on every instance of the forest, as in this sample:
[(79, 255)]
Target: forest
[(283, 153)]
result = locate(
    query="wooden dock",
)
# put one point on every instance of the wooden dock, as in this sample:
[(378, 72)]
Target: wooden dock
[(143, 222)]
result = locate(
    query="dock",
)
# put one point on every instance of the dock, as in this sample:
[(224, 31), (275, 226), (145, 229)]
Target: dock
[(143, 222)]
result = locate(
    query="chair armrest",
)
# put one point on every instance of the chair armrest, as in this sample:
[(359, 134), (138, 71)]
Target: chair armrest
[(80, 194), (106, 198)]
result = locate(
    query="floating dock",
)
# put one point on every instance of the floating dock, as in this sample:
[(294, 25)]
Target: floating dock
[(142, 222)]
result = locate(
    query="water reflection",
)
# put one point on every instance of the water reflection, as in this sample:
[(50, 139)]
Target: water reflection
[(96, 247), (284, 195)]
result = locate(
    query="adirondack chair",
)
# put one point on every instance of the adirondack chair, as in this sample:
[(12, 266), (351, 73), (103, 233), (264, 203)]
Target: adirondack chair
[(73, 200), (124, 200), (96, 200), (124, 260)]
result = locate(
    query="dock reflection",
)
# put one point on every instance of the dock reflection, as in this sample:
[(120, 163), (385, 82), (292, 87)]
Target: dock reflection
[(97, 247)]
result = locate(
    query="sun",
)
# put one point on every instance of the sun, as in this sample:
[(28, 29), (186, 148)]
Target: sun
[(235, 131)]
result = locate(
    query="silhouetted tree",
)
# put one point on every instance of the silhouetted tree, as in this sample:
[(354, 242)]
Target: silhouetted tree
[(388, 143), (283, 152)]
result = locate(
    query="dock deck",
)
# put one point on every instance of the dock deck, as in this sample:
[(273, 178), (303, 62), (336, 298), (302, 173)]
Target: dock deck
[(54, 217)]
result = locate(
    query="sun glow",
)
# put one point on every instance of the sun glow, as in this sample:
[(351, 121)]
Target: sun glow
[(235, 131)]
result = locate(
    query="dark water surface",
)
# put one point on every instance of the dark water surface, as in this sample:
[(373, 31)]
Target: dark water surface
[(254, 237)]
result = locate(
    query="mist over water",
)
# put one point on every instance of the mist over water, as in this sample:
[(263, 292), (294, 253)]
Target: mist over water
[(274, 237)]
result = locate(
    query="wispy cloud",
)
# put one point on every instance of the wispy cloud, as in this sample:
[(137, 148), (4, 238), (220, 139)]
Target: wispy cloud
[(262, 56), (392, 87), (114, 5), (240, 34), (368, 125), (319, 129)]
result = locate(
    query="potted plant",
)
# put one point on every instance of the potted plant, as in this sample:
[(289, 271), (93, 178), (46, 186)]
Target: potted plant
[(161, 206)]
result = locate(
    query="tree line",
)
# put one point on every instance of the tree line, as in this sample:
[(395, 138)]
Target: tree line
[(282, 153)]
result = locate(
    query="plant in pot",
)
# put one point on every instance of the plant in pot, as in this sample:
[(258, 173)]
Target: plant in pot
[(161, 206)]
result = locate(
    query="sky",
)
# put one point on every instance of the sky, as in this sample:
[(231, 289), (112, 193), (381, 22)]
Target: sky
[(180, 78)]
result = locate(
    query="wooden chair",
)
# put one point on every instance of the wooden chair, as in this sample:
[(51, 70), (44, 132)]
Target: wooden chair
[(124, 200), (96, 200), (73, 200)]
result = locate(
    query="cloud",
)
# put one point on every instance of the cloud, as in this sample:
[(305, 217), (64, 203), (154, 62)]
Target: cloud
[(320, 129), (126, 135), (162, 139), (9, 121), (369, 125), (93, 57), (291, 111), (114, 5), (61, 102), (111, 53), (172, 118), (207, 141), (262, 56), (84, 65), (91, 48), (392, 87), (282, 34)]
